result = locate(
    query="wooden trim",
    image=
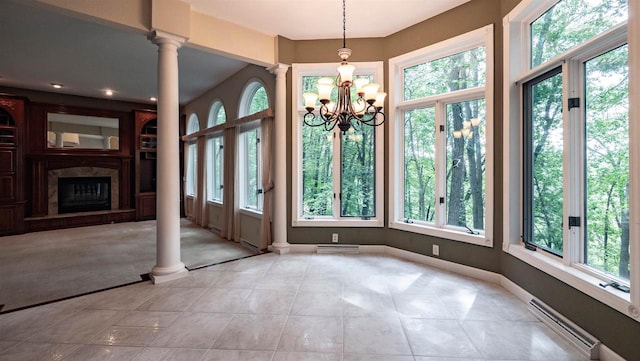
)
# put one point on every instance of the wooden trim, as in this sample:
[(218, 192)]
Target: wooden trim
[(268, 113)]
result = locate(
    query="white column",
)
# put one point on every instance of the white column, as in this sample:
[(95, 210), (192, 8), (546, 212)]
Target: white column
[(168, 265), (280, 244)]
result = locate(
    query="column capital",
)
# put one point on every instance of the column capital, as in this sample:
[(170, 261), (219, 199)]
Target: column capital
[(279, 69), (162, 37)]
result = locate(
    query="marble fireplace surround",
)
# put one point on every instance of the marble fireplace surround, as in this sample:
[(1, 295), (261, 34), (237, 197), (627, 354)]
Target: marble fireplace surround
[(52, 181)]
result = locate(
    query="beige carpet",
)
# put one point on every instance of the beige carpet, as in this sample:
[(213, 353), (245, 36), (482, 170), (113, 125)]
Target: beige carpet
[(46, 266)]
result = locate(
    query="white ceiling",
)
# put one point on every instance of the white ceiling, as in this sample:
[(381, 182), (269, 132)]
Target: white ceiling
[(39, 47), (322, 19)]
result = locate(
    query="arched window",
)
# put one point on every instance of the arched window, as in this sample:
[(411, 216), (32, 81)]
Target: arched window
[(254, 99), (215, 153), (192, 156)]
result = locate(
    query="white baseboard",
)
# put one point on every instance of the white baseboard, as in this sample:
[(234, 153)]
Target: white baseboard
[(606, 354), (302, 248), (515, 290), (468, 271)]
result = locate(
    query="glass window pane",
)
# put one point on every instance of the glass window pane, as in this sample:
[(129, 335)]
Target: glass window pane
[(466, 140), (570, 23), (259, 102), (419, 164), (455, 72), (607, 162), (222, 116), (218, 168), (191, 169), (357, 172), (251, 169), (317, 172), (544, 171), (210, 168)]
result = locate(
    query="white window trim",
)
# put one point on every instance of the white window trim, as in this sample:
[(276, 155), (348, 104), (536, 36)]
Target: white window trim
[(475, 38), (297, 109), (515, 62)]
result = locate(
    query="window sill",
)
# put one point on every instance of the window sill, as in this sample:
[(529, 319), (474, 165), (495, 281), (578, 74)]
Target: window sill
[(479, 240), (333, 222), (577, 279), (254, 213), (214, 203)]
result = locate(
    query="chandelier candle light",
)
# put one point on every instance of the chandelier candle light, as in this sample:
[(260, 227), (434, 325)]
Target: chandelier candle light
[(345, 113), (466, 130)]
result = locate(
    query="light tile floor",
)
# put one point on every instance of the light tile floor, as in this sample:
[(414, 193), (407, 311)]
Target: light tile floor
[(285, 308)]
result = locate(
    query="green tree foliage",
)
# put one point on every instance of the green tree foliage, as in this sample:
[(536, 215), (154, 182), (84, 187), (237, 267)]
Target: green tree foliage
[(571, 22), (419, 164), (545, 112), (465, 154), (259, 102), (357, 181), (606, 159), (607, 162)]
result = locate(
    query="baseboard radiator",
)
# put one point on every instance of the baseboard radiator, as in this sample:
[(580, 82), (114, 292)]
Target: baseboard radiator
[(585, 342), (338, 248), (250, 246)]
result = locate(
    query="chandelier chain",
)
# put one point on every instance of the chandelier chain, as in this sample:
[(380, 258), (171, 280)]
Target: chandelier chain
[(344, 23), (345, 113)]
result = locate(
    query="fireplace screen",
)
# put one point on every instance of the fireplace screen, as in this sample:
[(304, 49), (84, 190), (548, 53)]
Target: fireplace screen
[(84, 194)]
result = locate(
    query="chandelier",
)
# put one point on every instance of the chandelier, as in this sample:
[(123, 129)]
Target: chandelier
[(345, 112)]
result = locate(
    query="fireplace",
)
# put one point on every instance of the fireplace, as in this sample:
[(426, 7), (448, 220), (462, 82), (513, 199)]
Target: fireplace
[(84, 194)]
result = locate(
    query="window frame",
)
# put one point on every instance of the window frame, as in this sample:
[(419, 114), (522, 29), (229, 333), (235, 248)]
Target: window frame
[(248, 93), (243, 171), (213, 153), (516, 72), (376, 70), (475, 38)]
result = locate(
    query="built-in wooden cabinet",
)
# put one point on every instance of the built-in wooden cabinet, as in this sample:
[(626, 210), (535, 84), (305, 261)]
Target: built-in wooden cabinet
[(12, 199), (145, 163)]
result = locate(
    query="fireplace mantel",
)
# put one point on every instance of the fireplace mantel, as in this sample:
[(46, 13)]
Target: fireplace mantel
[(42, 165)]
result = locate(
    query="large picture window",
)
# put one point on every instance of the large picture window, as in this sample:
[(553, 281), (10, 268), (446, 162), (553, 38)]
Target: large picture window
[(337, 176), (441, 146), (569, 102)]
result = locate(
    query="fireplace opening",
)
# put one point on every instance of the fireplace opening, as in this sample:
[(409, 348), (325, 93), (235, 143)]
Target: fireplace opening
[(84, 194)]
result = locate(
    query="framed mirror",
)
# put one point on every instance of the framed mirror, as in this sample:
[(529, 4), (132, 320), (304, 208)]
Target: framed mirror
[(82, 132)]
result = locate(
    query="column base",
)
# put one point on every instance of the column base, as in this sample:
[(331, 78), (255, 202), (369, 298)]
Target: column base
[(279, 249), (166, 274)]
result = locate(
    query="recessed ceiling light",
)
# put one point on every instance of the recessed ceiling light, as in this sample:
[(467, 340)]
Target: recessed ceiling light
[(108, 92), (57, 85), (153, 99)]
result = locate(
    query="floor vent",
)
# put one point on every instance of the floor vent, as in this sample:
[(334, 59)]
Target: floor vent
[(585, 342), (338, 248)]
